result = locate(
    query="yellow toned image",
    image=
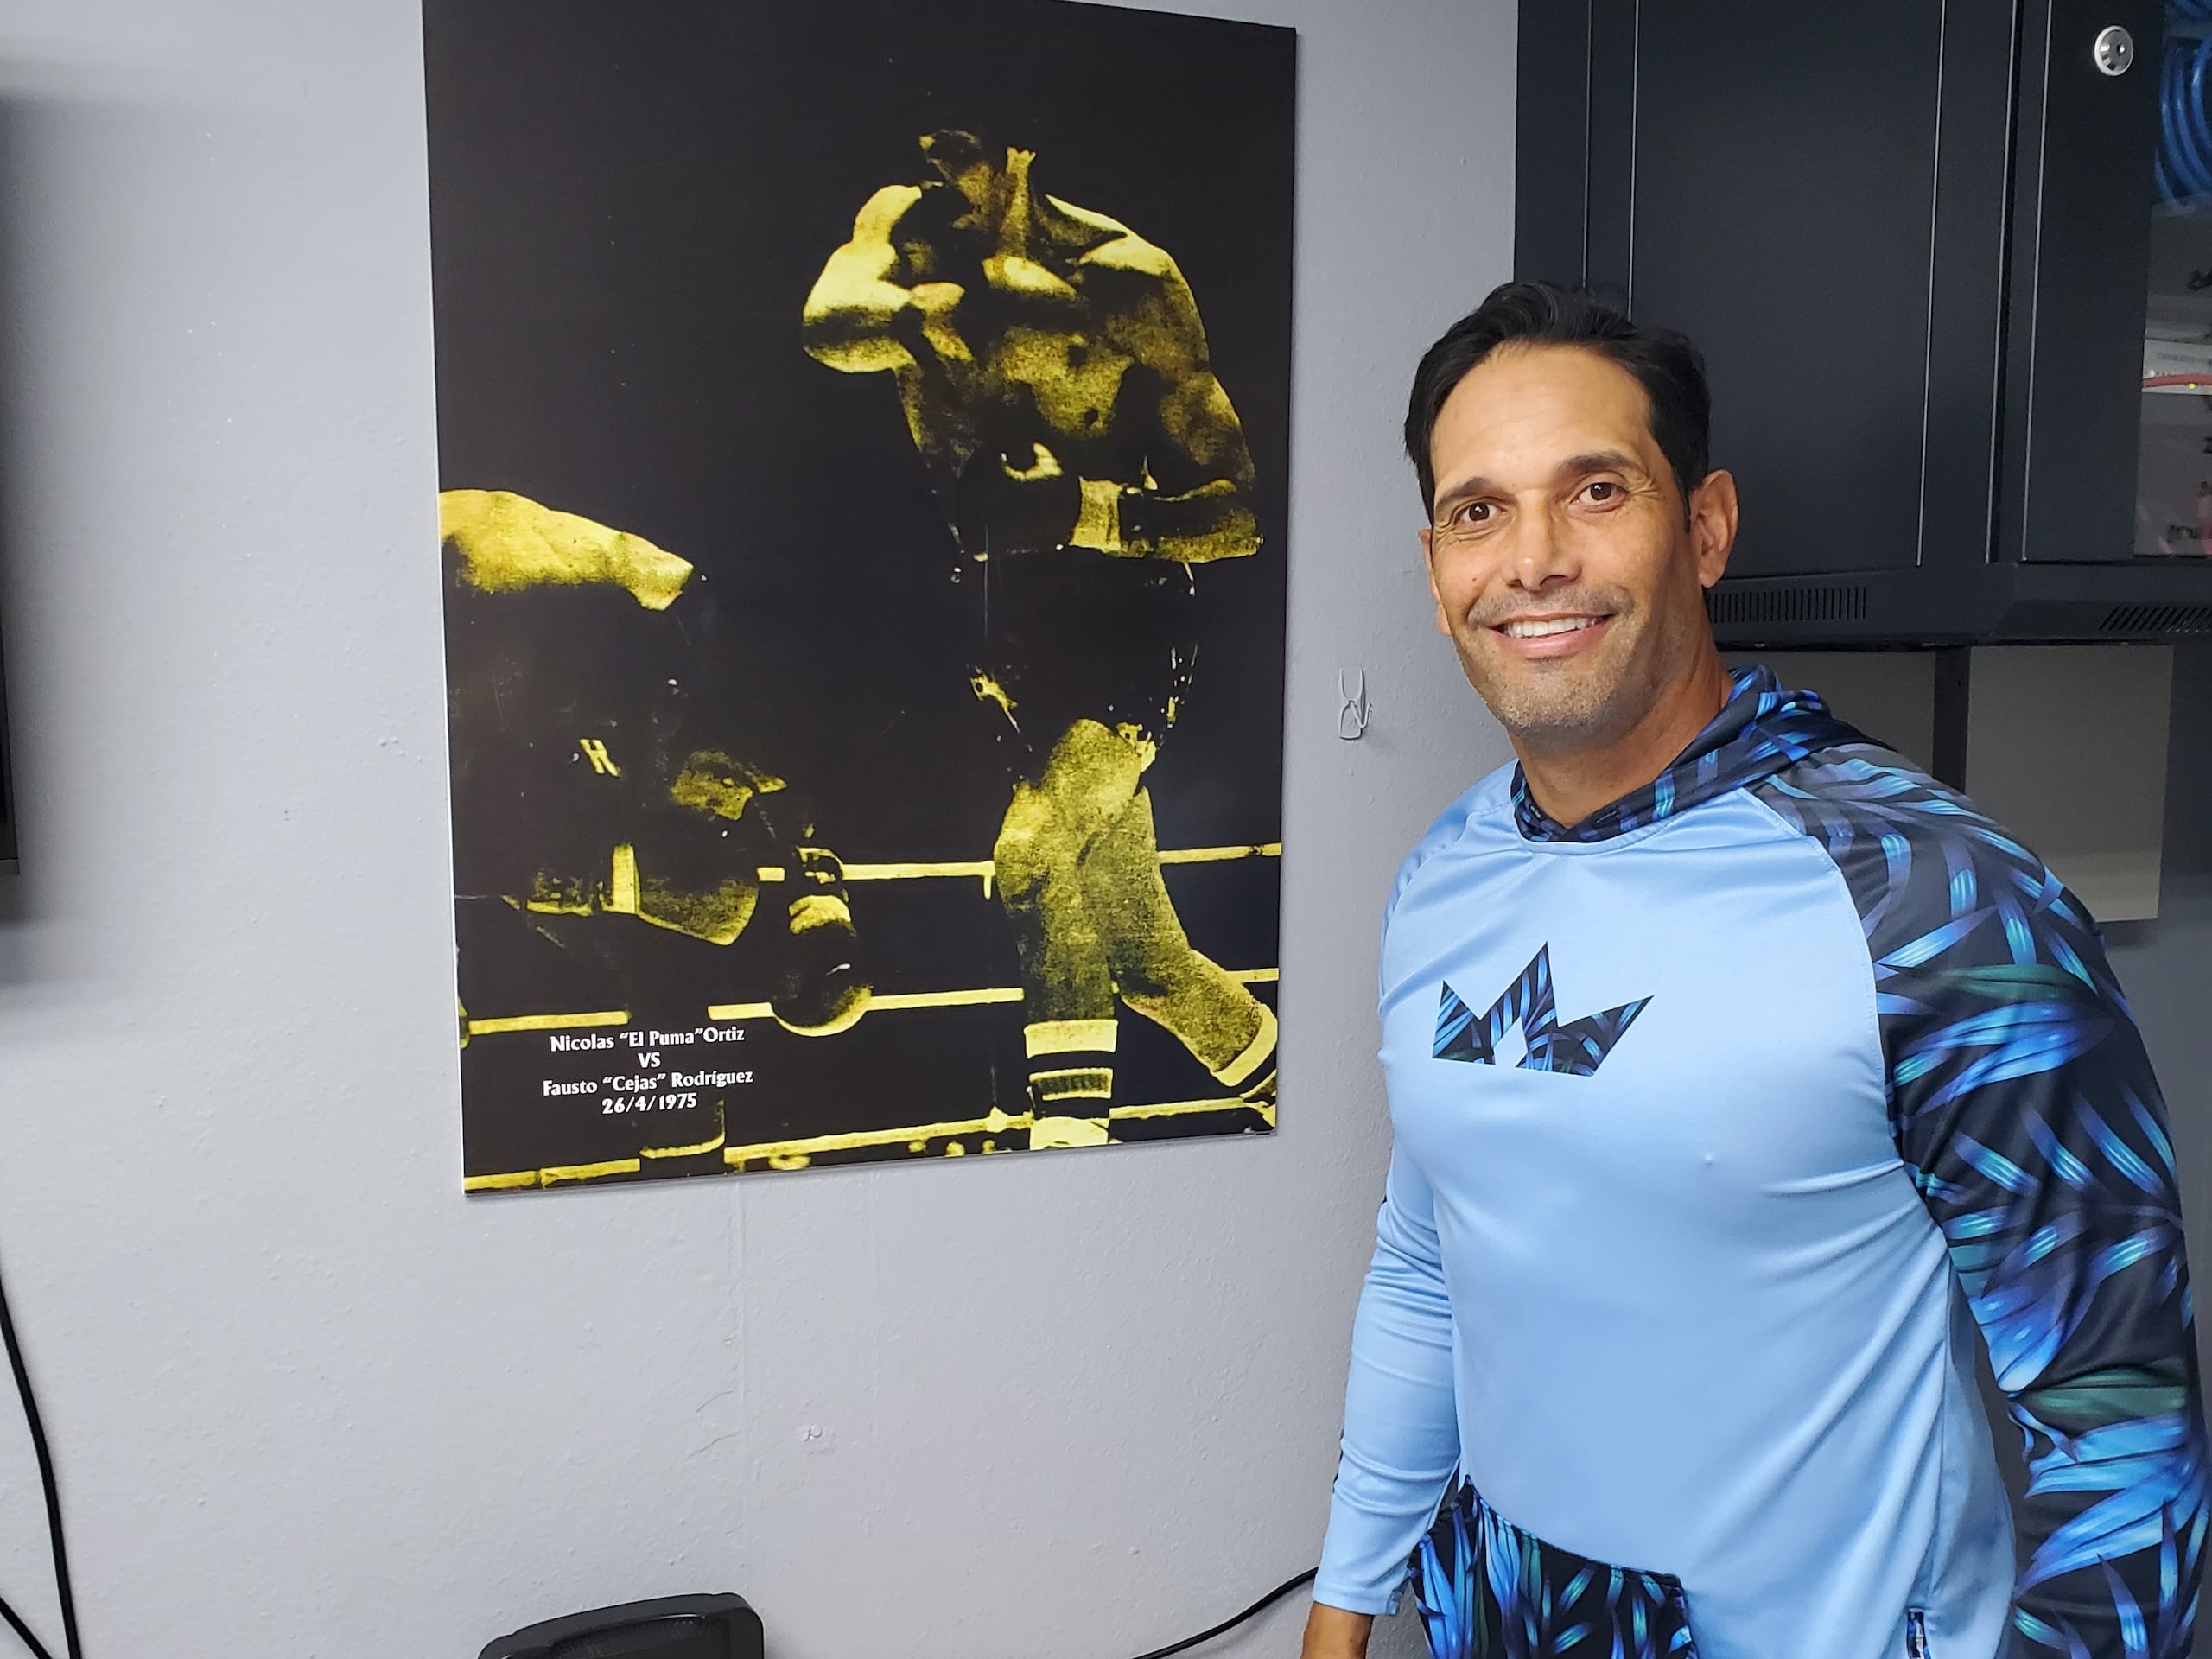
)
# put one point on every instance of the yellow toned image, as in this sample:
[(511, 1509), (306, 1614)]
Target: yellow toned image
[(1051, 361), (863, 535), (591, 811), (1053, 368)]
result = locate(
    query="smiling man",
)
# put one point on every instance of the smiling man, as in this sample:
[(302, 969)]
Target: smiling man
[(1745, 1081)]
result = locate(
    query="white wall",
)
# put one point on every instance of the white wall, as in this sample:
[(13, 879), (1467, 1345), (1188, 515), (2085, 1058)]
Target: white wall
[(309, 1401)]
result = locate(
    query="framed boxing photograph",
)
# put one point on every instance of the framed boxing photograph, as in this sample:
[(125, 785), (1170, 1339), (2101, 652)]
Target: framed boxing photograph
[(863, 464)]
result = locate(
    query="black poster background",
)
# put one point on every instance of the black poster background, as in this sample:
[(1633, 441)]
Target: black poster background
[(630, 200)]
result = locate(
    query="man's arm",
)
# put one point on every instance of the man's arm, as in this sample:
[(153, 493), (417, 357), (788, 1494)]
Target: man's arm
[(853, 316), (1401, 1436), (1200, 506), (500, 542), (1333, 1633), (2023, 1100)]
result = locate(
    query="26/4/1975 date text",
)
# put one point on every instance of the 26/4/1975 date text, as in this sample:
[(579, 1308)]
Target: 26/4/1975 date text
[(616, 1105)]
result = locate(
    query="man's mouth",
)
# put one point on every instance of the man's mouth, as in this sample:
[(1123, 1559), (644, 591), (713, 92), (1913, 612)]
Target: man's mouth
[(1539, 627)]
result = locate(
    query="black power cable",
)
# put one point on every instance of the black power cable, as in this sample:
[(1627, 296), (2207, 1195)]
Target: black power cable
[(69, 1597), (16, 1624), (1229, 1624)]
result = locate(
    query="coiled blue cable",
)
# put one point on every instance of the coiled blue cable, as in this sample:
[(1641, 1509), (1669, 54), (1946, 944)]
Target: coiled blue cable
[(2183, 165)]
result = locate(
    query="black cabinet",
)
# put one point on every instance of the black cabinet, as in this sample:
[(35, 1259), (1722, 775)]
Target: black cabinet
[(1915, 239), (2082, 219)]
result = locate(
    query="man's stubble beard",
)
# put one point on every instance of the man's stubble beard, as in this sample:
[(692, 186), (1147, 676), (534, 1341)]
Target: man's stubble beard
[(1575, 703)]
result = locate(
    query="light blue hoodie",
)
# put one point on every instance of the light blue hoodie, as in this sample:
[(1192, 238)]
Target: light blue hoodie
[(1724, 1119)]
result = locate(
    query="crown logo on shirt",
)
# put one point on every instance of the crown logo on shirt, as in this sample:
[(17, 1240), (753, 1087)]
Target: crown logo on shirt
[(1578, 1048)]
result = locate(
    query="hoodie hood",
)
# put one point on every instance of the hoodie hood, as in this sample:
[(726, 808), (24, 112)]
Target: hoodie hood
[(1761, 729)]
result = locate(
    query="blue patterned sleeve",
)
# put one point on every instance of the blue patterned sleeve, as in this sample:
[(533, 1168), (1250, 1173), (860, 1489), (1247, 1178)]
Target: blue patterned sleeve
[(2023, 1099), (1401, 1435)]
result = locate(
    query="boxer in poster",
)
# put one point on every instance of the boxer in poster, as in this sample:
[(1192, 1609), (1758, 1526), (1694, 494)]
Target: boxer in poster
[(1054, 374)]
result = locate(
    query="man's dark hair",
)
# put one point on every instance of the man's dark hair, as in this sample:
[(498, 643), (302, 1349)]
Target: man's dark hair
[(1666, 365)]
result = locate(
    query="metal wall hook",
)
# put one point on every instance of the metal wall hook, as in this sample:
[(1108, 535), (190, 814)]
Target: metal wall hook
[(1353, 710)]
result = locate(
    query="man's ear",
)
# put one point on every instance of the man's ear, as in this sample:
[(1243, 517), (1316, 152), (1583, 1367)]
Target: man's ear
[(1428, 560), (1712, 526)]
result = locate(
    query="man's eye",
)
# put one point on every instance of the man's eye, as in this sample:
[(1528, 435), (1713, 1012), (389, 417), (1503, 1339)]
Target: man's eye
[(1475, 512), (1602, 491)]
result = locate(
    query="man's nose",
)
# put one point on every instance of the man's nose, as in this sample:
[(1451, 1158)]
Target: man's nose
[(1542, 553)]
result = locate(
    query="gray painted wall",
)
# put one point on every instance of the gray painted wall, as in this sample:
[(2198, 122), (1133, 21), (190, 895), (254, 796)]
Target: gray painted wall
[(308, 1400)]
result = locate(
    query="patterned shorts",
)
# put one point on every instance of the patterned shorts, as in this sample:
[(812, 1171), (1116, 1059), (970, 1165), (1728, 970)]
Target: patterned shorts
[(1487, 1590), (1072, 635)]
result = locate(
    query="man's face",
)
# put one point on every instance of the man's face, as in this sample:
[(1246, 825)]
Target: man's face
[(1564, 566), (959, 159)]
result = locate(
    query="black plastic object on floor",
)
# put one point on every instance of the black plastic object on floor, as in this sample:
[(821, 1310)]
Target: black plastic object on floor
[(674, 1627)]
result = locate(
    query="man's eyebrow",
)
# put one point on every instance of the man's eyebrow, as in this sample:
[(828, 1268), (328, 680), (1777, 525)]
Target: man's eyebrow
[(1602, 460), (1464, 489)]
